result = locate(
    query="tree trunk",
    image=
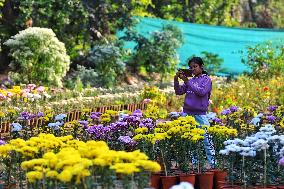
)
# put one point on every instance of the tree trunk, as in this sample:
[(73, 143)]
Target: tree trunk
[(185, 10), (252, 11), (8, 19), (104, 19), (191, 7)]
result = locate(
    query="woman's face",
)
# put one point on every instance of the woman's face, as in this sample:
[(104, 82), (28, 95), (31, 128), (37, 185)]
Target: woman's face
[(196, 69)]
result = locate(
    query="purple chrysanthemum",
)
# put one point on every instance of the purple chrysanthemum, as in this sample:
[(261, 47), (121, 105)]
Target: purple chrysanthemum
[(83, 123), (118, 126), (132, 120), (234, 108), (217, 120), (148, 122), (226, 112), (95, 115), (98, 131), (2, 142), (272, 108), (127, 140), (137, 113), (25, 116), (40, 114), (271, 118)]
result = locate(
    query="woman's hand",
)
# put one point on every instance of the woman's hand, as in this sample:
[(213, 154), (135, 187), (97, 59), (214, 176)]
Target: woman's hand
[(178, 74), (181, 75)]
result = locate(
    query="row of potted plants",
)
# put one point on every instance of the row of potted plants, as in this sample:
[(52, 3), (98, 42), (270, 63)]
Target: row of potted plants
[(174, 140)]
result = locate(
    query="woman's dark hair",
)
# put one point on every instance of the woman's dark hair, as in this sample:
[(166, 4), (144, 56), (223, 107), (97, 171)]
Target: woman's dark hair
[(199, 61)]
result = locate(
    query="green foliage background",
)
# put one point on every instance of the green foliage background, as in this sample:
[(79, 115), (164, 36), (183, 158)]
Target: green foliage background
[(82, 24)]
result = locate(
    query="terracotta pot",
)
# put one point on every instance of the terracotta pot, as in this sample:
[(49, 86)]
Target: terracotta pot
[(229, 186), (156, 180), (204, 180), (219, 175), (10, 186), (169, 181), (187, 178), (221, 184)]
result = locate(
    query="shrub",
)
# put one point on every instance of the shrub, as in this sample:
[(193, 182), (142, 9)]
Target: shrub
[(87, 76), (38, 57), (264, 60), (106, 60), (158, 52)]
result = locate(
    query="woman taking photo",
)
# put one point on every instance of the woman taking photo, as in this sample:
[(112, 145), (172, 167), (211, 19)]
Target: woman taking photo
[(197, 92)]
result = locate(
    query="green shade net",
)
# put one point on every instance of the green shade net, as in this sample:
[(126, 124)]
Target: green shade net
[(225, 41)]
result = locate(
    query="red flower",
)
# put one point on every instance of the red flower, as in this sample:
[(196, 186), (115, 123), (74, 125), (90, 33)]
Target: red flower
[(265, 88), (215, 110)]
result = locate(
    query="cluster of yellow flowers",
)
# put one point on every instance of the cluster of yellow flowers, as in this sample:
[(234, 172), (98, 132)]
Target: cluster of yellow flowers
[(108, 116), (246, 127), (141, 130), (66, 159), (282, 123), (8, 112), (154, 112), (35, 146), (17, 91), (184, 127), (222, 131)]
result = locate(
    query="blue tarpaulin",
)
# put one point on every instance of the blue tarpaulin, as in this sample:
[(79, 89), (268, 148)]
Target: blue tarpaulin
[(227, 42)]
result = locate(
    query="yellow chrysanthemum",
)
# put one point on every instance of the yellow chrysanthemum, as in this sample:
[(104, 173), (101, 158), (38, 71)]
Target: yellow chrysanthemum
[(148, 165), (34, 176), (141, 130), (65, 176), (51, 174), (125, 168)]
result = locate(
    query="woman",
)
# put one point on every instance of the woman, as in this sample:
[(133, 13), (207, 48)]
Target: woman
[(196, 102)]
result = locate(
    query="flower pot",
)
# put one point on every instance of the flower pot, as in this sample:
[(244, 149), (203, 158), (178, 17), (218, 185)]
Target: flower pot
[(187, 178), (168, 181), (219, 178), (204, 180), (229, 186), (221, 184), (156, 180), (10, 186)]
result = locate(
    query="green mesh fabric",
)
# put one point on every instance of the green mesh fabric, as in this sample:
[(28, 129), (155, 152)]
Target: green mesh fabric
[(224, 41)]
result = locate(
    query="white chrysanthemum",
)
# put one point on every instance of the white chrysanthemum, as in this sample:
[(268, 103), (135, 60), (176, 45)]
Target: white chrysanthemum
[(260, 145), (39, 56)]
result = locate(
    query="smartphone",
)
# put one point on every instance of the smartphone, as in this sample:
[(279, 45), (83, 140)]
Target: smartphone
[(186, 72)]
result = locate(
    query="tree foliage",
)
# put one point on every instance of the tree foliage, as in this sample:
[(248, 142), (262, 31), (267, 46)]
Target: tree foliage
[(265, 60), (82, 24), (247, 13), (215, 12), (158, 52)]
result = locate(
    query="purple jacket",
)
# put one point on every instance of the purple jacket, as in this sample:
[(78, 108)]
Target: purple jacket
[(198, 91)]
